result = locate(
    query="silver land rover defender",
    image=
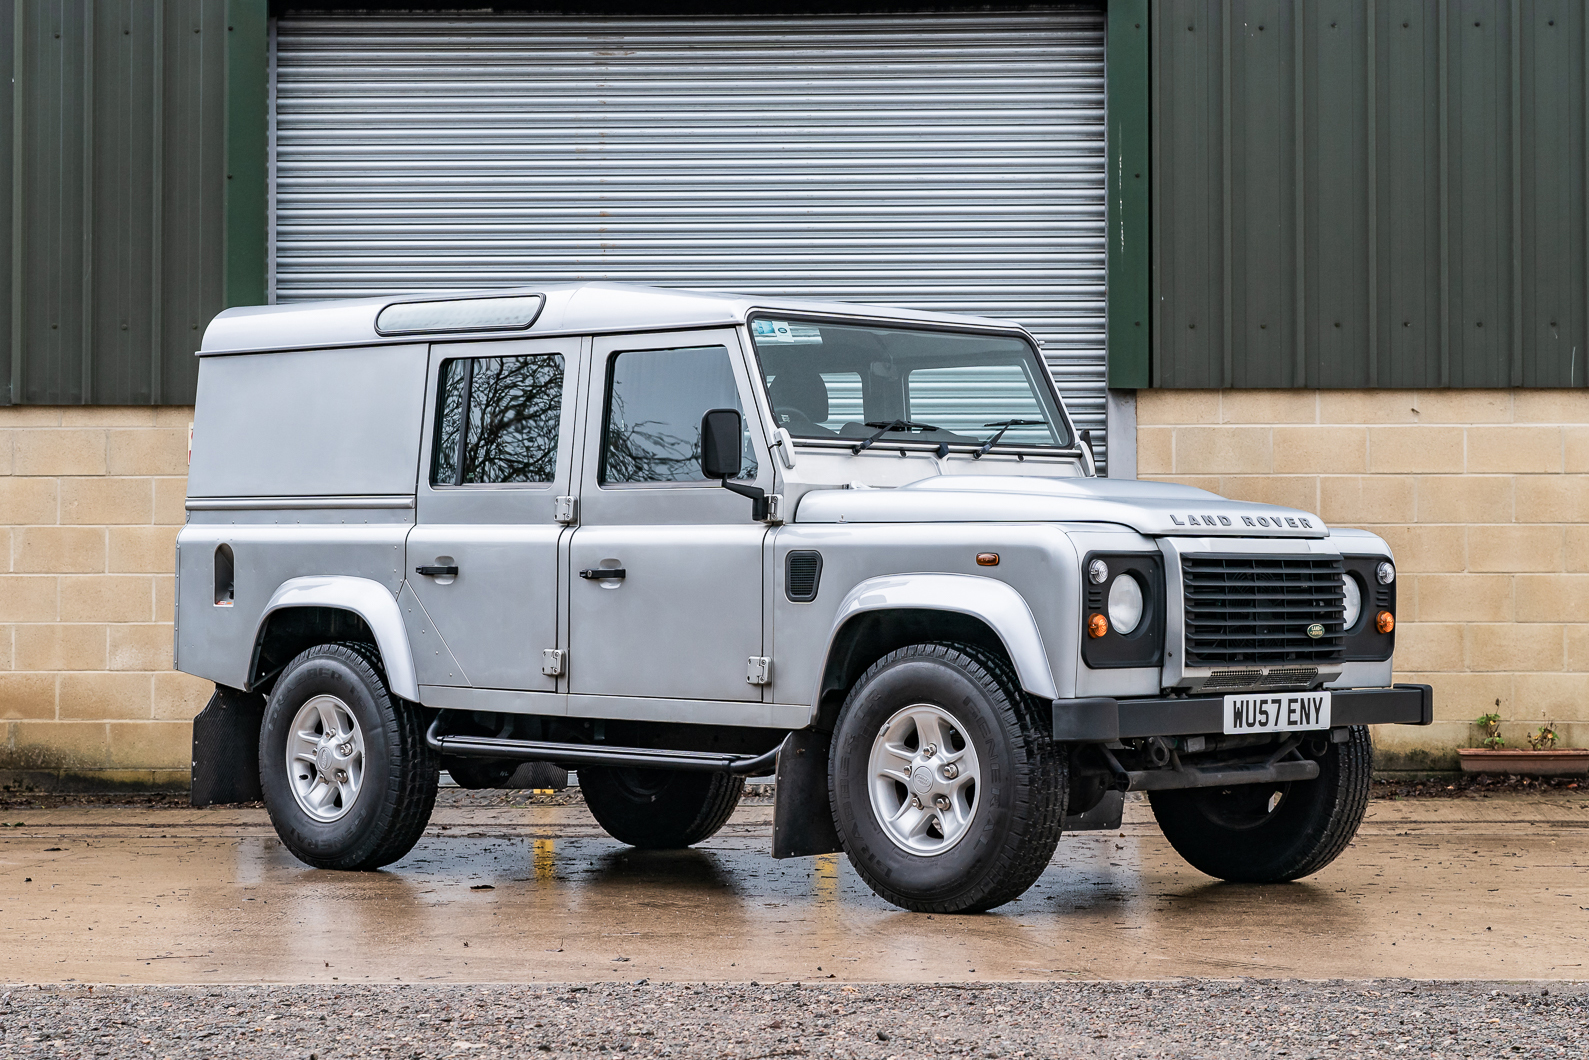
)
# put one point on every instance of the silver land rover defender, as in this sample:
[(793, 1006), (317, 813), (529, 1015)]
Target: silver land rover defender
[(672, 540)]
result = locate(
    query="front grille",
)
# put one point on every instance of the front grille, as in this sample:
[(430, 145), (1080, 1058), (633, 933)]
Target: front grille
[(1256, 610)]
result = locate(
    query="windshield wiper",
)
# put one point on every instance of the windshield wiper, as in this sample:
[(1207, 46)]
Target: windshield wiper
[(883, 427), (1002, 425)]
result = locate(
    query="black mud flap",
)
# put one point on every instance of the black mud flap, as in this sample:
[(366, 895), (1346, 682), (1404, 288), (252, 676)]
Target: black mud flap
[(226, 748), (1105, 816), (802, 821)]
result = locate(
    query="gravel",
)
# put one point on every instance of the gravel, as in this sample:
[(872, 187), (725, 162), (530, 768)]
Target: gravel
[(1184, 1019)]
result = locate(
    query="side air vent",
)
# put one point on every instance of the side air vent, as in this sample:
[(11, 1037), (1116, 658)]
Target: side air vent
[(802, 574)]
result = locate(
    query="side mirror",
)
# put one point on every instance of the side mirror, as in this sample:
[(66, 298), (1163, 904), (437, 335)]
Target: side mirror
[(721, 430), (722, 458)]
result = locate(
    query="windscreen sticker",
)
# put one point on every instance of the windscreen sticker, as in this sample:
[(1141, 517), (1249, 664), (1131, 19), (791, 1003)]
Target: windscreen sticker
[(785, 333)]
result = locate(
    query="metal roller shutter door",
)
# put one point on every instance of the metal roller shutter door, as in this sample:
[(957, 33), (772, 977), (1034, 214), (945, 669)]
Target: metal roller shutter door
[(938, 161)]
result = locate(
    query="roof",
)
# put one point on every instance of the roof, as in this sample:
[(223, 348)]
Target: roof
[(580, 308)]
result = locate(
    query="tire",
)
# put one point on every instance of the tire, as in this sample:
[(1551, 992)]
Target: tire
[(387, 789), (659, 809), (1243, 835), (1000, 819)]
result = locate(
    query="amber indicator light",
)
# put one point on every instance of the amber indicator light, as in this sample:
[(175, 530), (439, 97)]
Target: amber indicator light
[(1097, 626), (987, 559), (1384, 621)]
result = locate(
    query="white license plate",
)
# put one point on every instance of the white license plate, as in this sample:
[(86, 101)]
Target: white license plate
[(1277, 712)]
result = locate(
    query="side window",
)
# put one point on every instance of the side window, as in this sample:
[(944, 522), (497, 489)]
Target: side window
[(655, 401), (509, 434)]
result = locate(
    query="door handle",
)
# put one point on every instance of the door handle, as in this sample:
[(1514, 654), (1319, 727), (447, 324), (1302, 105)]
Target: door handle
[(597, 574), (437, 572)]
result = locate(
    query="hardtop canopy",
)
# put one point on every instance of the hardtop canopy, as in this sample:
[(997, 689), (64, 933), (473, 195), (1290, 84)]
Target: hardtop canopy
[(580, 308)]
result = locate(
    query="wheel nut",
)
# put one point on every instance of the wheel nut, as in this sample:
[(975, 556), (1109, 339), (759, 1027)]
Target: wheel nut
[(915, 800), (930, 750), (951, 771), (941, 801)]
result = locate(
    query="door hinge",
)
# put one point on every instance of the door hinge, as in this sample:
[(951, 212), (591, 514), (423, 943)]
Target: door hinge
[(553, 660), (567, 510), (775, 508), (759, 670)]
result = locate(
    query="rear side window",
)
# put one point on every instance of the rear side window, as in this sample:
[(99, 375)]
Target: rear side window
[(498, 421)]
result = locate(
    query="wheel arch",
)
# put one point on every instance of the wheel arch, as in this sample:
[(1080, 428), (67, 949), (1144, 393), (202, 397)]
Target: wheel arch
[(882, 614), (304, 612)]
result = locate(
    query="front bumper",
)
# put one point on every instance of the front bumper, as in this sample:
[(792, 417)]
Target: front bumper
[(1100, 720)]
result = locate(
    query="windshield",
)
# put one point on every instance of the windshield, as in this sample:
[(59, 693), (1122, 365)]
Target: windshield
[(831, 381)]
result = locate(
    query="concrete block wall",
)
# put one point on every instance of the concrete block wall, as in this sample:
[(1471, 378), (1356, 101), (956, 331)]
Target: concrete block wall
[(90, 503), (1483, 495)]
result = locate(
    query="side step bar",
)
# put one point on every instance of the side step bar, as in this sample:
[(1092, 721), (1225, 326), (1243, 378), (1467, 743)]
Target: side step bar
[(761, 765), (1185, 777)]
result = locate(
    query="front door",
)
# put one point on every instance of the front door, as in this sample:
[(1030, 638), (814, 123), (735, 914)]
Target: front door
[(685, 618), (482, 563)]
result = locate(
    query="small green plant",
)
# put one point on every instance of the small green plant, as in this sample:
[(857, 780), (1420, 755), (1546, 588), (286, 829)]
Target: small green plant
[(1544, 739), (1491, 724)]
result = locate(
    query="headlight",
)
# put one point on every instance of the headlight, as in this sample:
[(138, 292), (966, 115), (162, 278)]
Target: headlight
[(1354, 600), (1125, 604)]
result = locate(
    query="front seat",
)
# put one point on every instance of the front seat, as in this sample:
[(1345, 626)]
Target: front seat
[(800, 401)]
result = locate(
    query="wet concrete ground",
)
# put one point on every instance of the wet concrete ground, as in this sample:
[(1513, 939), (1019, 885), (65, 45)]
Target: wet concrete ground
[(1494, 888)]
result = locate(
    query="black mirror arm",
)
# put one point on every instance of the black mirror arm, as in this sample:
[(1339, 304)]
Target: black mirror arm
[(757, 495)]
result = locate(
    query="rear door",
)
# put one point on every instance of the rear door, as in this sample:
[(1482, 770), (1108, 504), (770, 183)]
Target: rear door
[(482, 561)]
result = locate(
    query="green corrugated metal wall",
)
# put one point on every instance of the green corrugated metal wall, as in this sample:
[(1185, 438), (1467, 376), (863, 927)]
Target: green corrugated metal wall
[(1363, 193), (1345, 193), (114, 176)]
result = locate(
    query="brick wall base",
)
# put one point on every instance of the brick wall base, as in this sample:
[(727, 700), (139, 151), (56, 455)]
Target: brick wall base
[(1483, 495), (91, 500)]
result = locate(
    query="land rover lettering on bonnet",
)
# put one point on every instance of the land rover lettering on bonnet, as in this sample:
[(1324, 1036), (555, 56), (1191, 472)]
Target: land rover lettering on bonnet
[(673, 540)]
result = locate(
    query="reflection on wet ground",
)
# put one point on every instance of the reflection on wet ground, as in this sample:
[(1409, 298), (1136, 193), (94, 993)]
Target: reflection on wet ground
[(1498, 889)]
